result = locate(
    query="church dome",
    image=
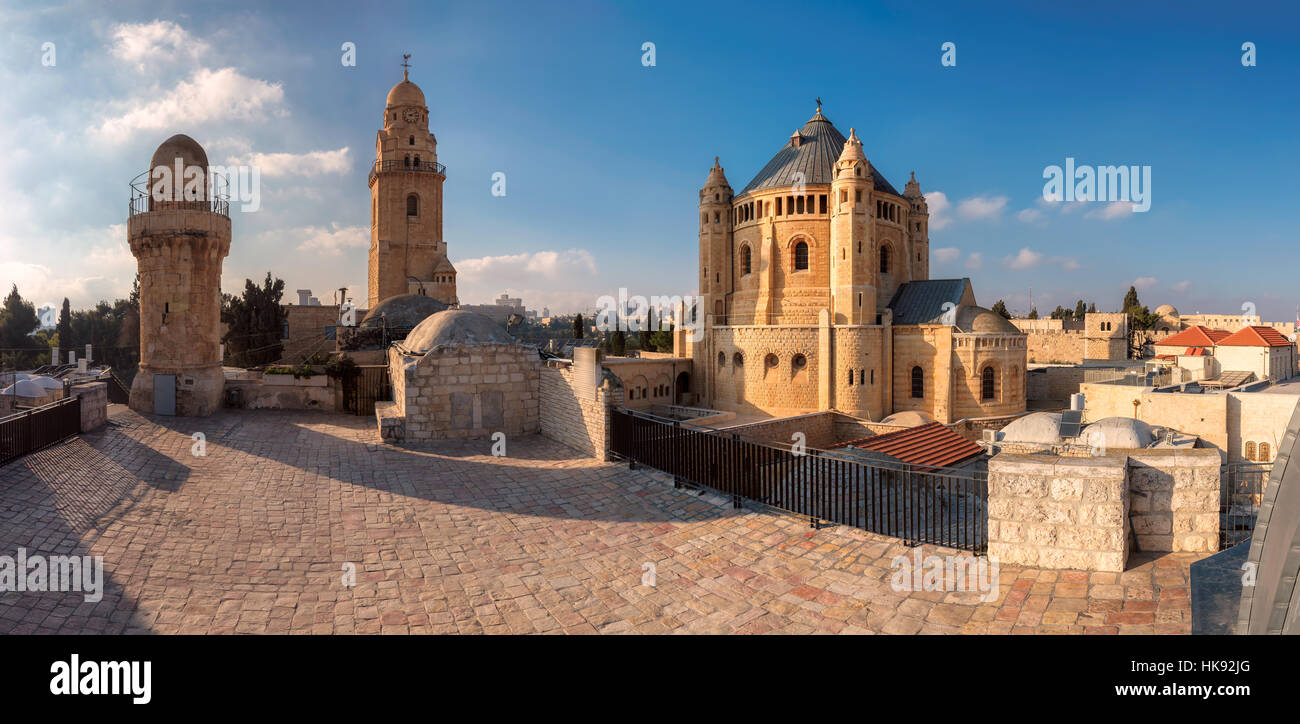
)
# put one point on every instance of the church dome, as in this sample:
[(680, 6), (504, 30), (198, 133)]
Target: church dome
[(979, 320), (1166, 310), (405, 93), (403, 311), (455, 328), (179, 146), (810, 155)]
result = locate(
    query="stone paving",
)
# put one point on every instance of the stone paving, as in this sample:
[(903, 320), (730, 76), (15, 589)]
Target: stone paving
[(255, 536)]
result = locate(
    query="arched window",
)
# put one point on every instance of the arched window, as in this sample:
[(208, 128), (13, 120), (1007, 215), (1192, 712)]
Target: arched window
[(987, 384), (738, 359), (1250, 451), (416, 163), (411, 142), (412, 205), (918, 383), (722, 359), (406, 162), (884, 260), (800, 256), (744, 259), (1264, 452)]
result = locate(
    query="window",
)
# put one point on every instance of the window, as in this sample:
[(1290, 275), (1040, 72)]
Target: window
[(771, 360), (1250, 451), (799, 362), (884, 260), (744, 259), (722, 359), (800, 256), (850, 378), (778, 206), (412, 205), (918, 383), (821, 203), (738, 359), (987, 384), (862, 376), (798, 204), (1264, 452), (411, 142)]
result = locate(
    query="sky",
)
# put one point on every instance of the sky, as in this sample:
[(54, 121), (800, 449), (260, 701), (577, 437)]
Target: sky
[(604, 153)]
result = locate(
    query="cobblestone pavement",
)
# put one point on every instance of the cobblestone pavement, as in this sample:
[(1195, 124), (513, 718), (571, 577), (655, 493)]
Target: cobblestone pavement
[(254, 537)]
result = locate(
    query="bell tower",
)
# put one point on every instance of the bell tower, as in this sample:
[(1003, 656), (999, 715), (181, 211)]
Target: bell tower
[(853, 290), (407, 251)]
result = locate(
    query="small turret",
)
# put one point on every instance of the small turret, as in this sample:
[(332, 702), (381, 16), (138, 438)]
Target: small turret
[(852, 286)]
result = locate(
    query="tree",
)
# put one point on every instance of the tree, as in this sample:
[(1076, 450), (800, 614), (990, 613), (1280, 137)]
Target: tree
[(255, 322), (1001, 308), (578, 326), (1130, 300), (64, 327), (17, 321), (1033, 313), (1140, 322), (618, 344), (1092, 307), (1080, 309), (660, 340), (1062, 313)]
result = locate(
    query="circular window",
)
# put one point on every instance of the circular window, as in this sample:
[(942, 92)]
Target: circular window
[(771, 361), (799, 362), (737, 359)]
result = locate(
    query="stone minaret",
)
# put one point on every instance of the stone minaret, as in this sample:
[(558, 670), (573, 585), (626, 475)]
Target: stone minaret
[(179, 231), (918, 229), (407, 251), (853, 290)]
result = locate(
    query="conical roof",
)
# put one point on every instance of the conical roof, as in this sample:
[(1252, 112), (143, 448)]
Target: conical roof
[(811, 151)]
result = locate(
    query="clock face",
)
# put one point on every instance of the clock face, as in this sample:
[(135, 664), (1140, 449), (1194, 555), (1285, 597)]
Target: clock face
[(410, 115)]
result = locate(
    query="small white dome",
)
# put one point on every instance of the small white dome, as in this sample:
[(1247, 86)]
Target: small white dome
[(24, 388), (48, 383), (1120, 433), (1040, 427), (909, 418)]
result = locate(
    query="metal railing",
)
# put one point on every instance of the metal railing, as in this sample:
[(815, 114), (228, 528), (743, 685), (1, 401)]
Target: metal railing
[(412, 167), (31, 430), (215, 190), (940, 506), (1241, 488)]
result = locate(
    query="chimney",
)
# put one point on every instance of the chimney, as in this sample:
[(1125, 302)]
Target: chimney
[(304, 297)]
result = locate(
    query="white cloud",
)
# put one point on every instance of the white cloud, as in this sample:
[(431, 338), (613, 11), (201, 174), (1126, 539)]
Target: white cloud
[(1031, 216), (947, 254), (568, 266), (104, 272), (1113, 210), (1067, 263), (1026, 258), (975, 260), (224, 95), (312, 163), (1182, 286), (937, 202), (331, 241), (981, 207), (158, 44), (1145, 282)]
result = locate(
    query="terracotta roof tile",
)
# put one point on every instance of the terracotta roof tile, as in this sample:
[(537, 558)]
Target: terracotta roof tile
[(1256, 336), (1194, 336), (931, 444)]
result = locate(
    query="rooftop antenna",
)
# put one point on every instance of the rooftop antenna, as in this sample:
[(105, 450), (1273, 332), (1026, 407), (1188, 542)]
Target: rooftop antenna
[(406, 66)]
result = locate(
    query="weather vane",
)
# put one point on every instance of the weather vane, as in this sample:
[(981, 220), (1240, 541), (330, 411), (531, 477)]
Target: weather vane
[(819, 104), (406, 67)]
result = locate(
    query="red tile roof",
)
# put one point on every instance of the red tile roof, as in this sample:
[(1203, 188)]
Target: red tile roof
[(1257, 336), (1194, 336), (1195, 352), (931, 444)]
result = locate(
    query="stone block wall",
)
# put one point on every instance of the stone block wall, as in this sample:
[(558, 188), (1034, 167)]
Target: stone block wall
[(1059, 512), (573, 416), (94, 404), (1174, 499), (467, 392), (818, 429)]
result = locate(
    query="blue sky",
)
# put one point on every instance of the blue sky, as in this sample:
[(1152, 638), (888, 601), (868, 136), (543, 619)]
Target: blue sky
[(604, 157)]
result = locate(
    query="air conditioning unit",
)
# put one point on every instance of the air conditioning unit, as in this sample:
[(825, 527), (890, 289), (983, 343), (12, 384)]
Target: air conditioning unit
[(992, 436)]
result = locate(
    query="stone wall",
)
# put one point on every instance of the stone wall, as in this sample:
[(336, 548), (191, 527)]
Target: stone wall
[(1059, 512), (94, 404), (818, 429), (466, 391), (259, 391), (576, 412), (1174, 499), (1056, 347), (307, 331)]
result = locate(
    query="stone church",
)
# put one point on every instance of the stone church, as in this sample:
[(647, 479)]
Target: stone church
[(407, 252), (815, 286)]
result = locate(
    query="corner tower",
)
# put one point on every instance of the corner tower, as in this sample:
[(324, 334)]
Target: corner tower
[(918, 228), (715, 242), (407, 251), (179, 233), (853, 288)]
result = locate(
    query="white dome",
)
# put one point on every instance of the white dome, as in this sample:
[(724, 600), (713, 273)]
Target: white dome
[(1120, 433), (1040, 427), (909, 418), (24, 388), (48, 383)]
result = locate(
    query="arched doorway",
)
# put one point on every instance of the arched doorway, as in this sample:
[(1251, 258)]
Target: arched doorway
[(681, 387)]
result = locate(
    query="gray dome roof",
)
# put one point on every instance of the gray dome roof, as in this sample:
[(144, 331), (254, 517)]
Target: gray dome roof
[(819, 148), (455, 327), (403, 310), (1120, 433), (979, 320), (1040, 427), (909, 418)]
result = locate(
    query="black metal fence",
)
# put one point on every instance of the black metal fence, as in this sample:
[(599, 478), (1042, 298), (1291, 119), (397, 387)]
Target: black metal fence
[(31, 430), (941, 506), (1241, 487)]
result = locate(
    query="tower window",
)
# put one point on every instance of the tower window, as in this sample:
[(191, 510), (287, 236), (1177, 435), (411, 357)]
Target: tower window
[(778, 206), (884, 260), (857, 196), (417, 162), (412, 141), (821, 203), (918, 383), (1265, 452), (745, 259), (1250, 451), (987, 384), (412, 205), (800, 256), (798, 202)]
